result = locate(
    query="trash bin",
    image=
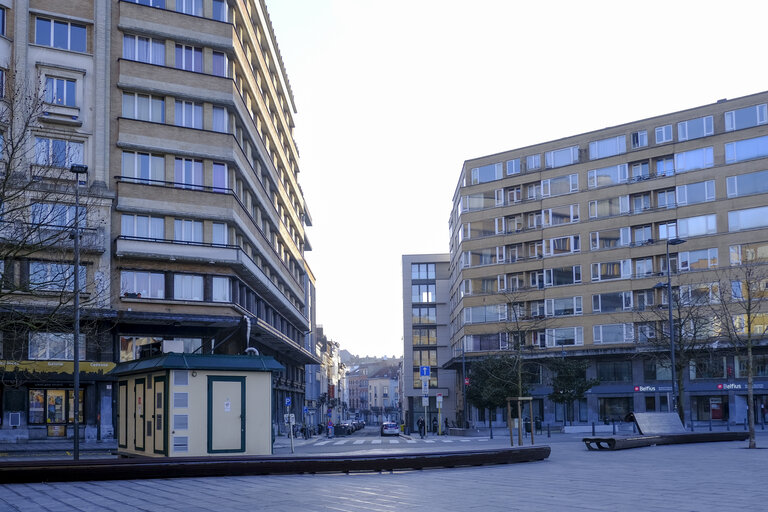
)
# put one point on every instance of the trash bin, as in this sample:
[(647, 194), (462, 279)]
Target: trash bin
[(527, 423), (537, 425)]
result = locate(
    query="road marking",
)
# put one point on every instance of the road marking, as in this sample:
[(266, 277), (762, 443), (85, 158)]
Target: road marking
[(340, 442), (376, 441), (321, 443), (465, 440), (428, 441), (394, 441), (446, 440), (411, 441), (483, 440), (359, 441)]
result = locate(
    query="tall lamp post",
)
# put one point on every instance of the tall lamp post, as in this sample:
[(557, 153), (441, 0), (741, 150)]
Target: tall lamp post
[(672, 241), (77, 170)]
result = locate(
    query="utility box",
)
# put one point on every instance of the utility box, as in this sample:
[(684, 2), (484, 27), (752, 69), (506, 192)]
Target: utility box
[(192, 405)]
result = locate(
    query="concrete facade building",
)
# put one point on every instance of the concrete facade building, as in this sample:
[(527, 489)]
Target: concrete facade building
[(183, 112), (426, 337), (561, 246)]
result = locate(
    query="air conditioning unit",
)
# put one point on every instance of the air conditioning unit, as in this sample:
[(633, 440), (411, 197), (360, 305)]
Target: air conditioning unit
[(14, 419)]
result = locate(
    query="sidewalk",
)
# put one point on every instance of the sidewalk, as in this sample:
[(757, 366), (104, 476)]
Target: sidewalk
[(35, 448)]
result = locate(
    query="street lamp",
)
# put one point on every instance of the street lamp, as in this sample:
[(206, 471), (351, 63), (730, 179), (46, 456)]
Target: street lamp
[(671, 241), (77, 170)]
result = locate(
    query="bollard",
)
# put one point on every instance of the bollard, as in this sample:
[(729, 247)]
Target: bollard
[(691, 425), (710, 423), (593, 429), (745, 423), (634, 428), (728, 425), (614, 426), (549, 434)]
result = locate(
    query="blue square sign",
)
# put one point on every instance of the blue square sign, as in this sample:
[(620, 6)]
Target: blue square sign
[(287, 401), (424, 371)]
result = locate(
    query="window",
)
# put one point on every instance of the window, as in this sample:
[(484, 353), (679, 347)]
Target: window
[(425, 336), (185, 230), (746, 117), (747, 184), (559, 186), (55, 346), (750, 218), (187, 287), (221, 289), (607, 176), (664, 134), (612, 302), (615, 371), (609, 270), (220, 120), (426, 315), (708, 368), (193, 7), (160, 4), (666, 198), (609, 207), (60, 34), (144, 49), (52, 276), (483, 314), (2, 21), (643, 267), (644, 299), (513, 166), (220, 177), (533, 191), (749, 253), (57, 152), (696, 193), (640, 171), (147, 285), (142, 226), (220, 233), (561, 276), (561, 157), (220, 64), (565, 336), (220, 10), (699, 294), (143, 167), (695, 128), (533, 162), (641, 202), (639, 139), (608, 147), (746, 149), (667, 230), (143, 107), (697, 226), (189, 58), (665, 166), (188, 173), (422, 271), (562, 245), (53, 406), (487, 173), (567, 306), (609, 238), (55, 215), (694, 159), (642, 234), (189, 114), (759, 366), (560, 215), (423, 293), (60, 91)]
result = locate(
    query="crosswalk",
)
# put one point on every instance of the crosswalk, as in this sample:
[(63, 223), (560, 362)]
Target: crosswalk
[(377, 441)]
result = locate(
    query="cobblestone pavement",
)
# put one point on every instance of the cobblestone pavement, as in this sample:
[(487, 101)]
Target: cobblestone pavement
[(696, 477)]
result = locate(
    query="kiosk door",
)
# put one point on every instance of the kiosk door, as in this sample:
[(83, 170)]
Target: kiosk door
[(226, 414), (139, 432), (159, 414)]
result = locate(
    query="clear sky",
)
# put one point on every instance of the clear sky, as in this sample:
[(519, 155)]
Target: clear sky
[(393, 96)]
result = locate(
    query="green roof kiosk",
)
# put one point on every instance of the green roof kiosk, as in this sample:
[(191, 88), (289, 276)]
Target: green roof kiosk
[(192, 405)]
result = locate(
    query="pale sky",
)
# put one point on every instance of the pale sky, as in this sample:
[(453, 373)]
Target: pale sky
[(393, 96)]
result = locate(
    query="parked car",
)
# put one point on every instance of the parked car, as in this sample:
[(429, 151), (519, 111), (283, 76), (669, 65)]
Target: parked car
[(390, 428)]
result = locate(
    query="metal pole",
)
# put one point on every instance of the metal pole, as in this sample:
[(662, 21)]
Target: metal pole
[(463, 386), (77, 170), (671, 332)]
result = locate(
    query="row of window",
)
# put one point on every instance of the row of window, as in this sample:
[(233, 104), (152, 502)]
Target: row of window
[(189, 114), (189, 58), (686, 130)]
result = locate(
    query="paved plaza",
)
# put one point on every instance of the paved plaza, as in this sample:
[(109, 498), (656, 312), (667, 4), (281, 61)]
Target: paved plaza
[(697, 477)]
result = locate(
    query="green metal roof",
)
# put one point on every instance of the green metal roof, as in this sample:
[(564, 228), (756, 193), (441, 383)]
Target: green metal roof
[(174, 361)]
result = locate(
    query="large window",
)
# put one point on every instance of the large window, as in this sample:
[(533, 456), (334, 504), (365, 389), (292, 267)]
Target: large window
[(53, 406), (220, 120), (424, 336), (609, 270), (60, 91), (747, 149), (566, 306), (146, 285), (695, 128), (746, 117), (708, 368), (187, 287), (188, 173), (533, 162), (609, 207), (614, 371), (144, 49), (566, 214), (748, 219), (142, 226), (143, 107), (193, 7), (513, 166), (185, 230), (220, 233), (423, 293), (615, 408), (639, 139), (220, 66), (562, 276), (561, 157), (702, 259), (559, 186), (189, 58), (220, 10), (612, 302), (694, 159), (60, 34), (55, 346), (696, 193), (608, 147), (664, 134), (487, 173), (484, 314), (189, 114), (53, 276), (749, 253), (747, 184), (220, 177), (697, 226), (143, 167), (565, 336), (609, 238), (55, 215), (221, 289), (606, 176), (57, 152), (562, 245)]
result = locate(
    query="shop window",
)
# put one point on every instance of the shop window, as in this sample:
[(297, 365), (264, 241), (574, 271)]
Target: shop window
[(53, 406), (615, 408)]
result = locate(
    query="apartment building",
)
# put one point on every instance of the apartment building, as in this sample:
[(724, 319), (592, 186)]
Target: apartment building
[(561, 246), (183, 113), (426, 338)]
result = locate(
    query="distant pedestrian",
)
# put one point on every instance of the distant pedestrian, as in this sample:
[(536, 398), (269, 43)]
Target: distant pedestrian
[(445, 432), (434, 425), (421, 426)]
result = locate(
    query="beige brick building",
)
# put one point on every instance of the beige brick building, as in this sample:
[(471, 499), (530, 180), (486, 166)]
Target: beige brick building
[(568, 238)]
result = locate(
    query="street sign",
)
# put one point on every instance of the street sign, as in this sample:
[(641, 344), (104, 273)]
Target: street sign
[(425, 387), (289, 418), (466, 381), (305, 410), (439, 400), (425, 401), (424, 371), (287, 401)]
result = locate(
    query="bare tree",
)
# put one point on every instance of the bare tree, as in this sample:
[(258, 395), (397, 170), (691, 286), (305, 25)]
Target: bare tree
[(37, 229), (742, 315)]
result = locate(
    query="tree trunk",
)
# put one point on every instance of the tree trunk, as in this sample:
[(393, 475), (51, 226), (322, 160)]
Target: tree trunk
[(679, 400), (490, 422), (750, 397)]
